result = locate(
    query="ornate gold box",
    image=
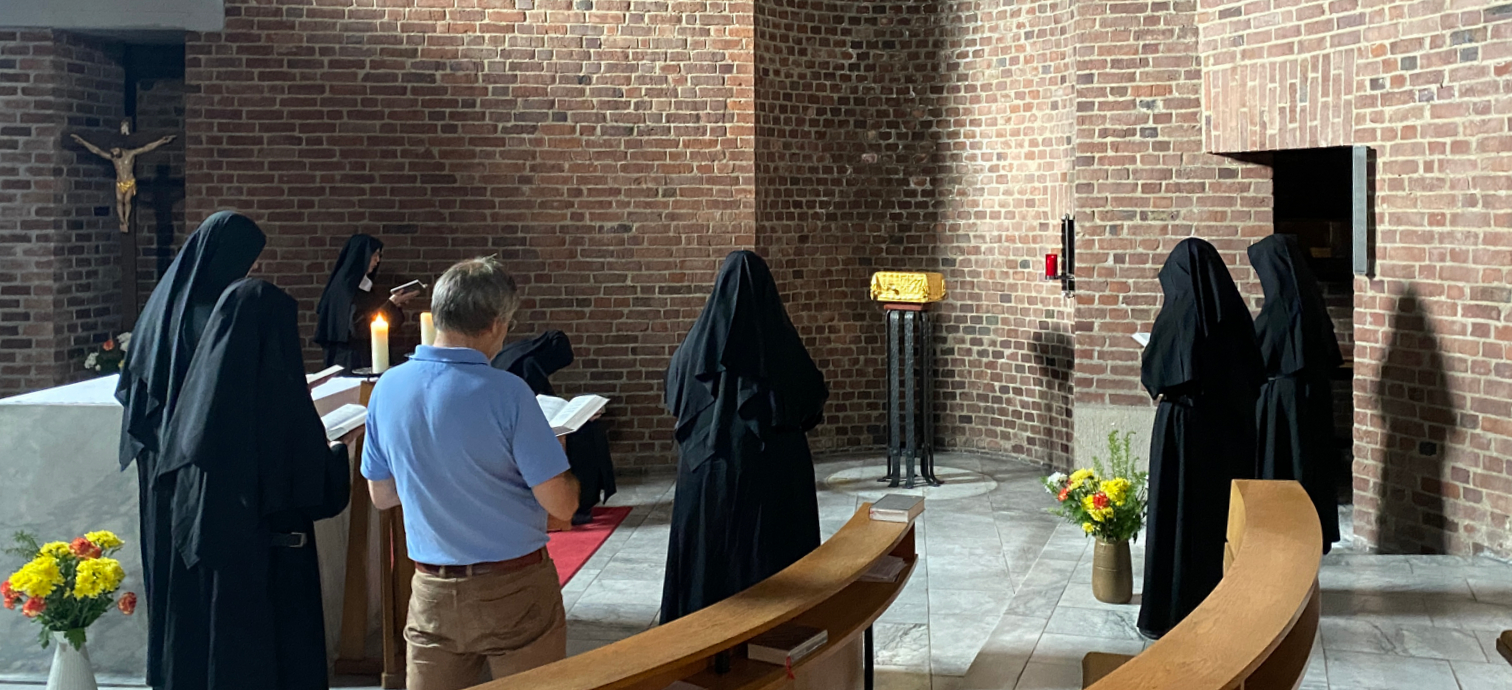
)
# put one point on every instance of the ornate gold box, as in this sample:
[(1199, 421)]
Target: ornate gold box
[(907, 287)]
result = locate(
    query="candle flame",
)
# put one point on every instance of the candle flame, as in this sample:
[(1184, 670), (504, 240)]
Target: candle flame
[(380, 322)]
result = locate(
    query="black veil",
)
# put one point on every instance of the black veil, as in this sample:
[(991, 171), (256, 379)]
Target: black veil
[(220, 252), (334, 313)]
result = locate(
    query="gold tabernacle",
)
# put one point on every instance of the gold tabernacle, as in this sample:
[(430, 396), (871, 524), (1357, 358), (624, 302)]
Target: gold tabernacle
[(911, 287)]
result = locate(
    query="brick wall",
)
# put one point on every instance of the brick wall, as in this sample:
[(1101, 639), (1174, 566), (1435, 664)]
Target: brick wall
[(58, 237), (844, 151), (1006, 118), (1425, 85), (603, 148), (1144, 182)]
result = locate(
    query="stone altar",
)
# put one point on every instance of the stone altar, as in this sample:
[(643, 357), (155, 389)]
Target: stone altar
[(59, 477)]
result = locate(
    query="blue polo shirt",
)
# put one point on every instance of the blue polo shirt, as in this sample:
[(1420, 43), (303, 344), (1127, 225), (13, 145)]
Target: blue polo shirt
[(464, 443)]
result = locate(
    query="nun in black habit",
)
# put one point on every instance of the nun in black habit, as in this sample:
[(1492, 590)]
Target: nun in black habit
[(535, 360), (1203, 368), (1295, 438), (745, 393), (251, 472), (349, 304), (166, 336)]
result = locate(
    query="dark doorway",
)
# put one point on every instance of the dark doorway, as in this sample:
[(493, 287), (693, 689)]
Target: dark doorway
[(1314, 200)]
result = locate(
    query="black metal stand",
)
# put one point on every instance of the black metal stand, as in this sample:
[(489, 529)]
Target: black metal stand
[(910, 396), (869, 662)]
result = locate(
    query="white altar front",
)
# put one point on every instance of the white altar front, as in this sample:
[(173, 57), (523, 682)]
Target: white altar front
[(60, 477)]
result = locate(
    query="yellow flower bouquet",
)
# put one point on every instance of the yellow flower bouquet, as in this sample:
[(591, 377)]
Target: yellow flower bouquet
[(66, 587), (1107, 501)]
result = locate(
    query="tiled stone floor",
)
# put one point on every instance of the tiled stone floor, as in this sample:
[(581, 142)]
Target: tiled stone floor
[(1002, 597)]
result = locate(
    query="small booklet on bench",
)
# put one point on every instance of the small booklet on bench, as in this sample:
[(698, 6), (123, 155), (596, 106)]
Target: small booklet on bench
[(785, 644), (897, 508), (569, 416)]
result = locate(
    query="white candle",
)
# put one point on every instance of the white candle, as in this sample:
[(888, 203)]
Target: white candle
[(427, 329), (380, 346)]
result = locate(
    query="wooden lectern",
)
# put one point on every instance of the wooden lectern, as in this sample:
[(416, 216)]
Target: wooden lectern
[(395, 570)]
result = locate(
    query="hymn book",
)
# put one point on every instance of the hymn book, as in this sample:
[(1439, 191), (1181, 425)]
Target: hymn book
[(785, 644), (319, 377), (566, 417), (886, 569), (344, 420), (897, 508)]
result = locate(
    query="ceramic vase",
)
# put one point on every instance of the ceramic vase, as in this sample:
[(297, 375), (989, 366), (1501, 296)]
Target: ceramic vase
[(70, 667), (1112, 572)]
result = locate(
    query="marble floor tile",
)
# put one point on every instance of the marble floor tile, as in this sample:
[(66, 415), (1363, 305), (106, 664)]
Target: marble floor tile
[(1347, 635), (955, 639), (1004, 654), (1356, 671), (1113, 625), (1489, 676), (1045, 676), (902, 644), (1055, 648)]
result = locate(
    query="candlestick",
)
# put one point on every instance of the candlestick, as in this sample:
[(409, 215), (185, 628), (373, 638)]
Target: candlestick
[(427, 329), (1052, 269), (380, 346)]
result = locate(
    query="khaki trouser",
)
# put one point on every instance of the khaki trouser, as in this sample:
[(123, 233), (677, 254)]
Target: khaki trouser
[(512, 621)]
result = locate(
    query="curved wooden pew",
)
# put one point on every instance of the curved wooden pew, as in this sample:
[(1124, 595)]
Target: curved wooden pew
[(821, 590), (1255, 630)]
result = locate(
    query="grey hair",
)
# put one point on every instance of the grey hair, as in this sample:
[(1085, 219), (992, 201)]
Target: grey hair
[(474, 295)]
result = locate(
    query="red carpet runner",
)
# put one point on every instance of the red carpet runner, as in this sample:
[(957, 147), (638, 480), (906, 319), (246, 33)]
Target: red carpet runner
[(573, 548)]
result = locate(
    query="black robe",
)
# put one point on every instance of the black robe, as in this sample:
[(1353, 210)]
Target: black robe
[(535, 360), (1204, 368), (346, 311), (251, 472), (745, 392), (1294, 418), (163, 343)]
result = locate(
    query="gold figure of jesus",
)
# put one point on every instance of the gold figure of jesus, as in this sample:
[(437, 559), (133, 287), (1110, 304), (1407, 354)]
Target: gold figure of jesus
[(125, 166)]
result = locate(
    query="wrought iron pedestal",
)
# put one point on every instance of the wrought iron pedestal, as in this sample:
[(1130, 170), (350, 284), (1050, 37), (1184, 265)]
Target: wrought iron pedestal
[(910, 396)]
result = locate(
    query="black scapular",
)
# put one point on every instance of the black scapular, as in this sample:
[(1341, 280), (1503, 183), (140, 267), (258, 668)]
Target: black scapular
[(1294, 417), (745, 392), (1204, 369)]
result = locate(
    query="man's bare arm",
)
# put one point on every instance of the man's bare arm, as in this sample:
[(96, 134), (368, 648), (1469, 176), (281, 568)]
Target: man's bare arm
[(95, 149), (558, 495), (385, 494), (154, 145)]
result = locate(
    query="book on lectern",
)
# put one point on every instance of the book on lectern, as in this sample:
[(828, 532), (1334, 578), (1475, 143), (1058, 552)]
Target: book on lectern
[(319, 377), (343, 420), (785, 644), (569, 416)]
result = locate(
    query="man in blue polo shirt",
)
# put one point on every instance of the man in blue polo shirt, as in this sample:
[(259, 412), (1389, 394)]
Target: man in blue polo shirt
[(465, 448)]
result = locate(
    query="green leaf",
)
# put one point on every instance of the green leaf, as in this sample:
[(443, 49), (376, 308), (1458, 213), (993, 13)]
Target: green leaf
[(75, 637), (45, 637)]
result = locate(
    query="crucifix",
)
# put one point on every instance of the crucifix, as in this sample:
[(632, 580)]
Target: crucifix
[(124, 160)]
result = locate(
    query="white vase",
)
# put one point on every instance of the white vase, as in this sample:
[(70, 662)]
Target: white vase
[(70, 667)]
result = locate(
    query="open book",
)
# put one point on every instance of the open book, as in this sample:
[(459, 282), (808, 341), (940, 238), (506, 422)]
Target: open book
[(343, 420), (319, 377), (567, 417)]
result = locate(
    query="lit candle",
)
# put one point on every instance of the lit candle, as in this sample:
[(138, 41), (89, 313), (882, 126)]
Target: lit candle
[(380, 346), (1052, 267), (427, 329)]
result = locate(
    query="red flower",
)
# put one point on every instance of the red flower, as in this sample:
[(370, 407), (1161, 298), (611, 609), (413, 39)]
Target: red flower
[(127, 603), (34, 607), (1064, 492), (84, 548), (9, 595), (1100, 500), (109, 345)]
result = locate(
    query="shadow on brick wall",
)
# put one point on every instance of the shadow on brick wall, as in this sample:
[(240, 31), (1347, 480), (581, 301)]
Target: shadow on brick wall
[(1419, 416)]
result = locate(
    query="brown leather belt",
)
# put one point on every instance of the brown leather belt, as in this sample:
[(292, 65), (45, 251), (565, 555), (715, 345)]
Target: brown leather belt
[(456, 571)]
